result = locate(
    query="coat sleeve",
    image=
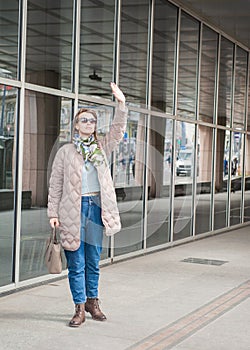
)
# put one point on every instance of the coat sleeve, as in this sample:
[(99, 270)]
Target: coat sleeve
[(117, 129), (56, 184)]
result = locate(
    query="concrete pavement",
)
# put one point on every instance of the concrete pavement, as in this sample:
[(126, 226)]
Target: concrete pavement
[(156, 301)]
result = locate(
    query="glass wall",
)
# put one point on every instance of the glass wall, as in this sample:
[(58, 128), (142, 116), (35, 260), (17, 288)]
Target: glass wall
[(133, 50), (185, 170), (225, 83), (164, 52), (159, 181), (129, 160), (182, 167), (9, 43), (97, 47), (208, 74), (49, 43), (204, 188), (46, 128), (8, 110), (188, 63), (222, 173), (247, 180), (236, 178), (240, 89)]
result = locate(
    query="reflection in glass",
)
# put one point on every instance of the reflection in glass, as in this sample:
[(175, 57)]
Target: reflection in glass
[(240, 88), (225, 82), (221, 178), (128, 179), (247, 181), (248, 111), (236, 178), (8, 98), (44, 133), (165, 27), (9, 38), (188, 58), (207, 74), (185, 135), (49, 43), (159, 181), (133, 54), (204, 179), (96, 47)]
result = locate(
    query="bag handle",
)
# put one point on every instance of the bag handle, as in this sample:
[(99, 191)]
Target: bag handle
[(54, 235)]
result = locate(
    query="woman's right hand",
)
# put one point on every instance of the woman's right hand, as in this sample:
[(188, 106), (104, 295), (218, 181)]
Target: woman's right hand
[(54, 222)]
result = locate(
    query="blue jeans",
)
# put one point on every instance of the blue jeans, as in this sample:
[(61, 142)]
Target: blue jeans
[(83, 264)]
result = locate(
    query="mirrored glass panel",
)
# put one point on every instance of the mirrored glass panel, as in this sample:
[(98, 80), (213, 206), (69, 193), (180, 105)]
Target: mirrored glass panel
[(207, 74), (8, 110), (129, 180), (187, 74), (159, 181), (45, 126), (240, 88), (164, 47), (96, 47), (133, 50), (247, 181), (204, 179), (184, 167), (225, 82), (248, 111), (222, 169), (9, 12), (49, 43), (236, 178)]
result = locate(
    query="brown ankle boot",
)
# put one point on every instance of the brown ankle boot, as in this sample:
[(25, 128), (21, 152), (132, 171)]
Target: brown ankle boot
[(92, 306), (79, 316)]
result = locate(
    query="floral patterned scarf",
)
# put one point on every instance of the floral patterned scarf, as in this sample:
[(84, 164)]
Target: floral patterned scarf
[(89, 149)]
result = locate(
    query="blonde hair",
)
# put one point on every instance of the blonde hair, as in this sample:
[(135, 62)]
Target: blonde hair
[(76, 119)]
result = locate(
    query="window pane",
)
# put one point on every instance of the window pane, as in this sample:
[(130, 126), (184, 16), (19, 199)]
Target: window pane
[(129, 179), (96, 49), (221, 179), (159, 181), (248, 111), (204, 179), (188, 58), (9, 38), (133, 55), (49, 43), (247, 181), (165, 26), (43, 135), (8, 108), (185, 134), (236, 178), (225, 82), (240, 88), (208, 71)]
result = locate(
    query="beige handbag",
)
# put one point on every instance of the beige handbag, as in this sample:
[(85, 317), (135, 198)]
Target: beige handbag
[(53, 256)]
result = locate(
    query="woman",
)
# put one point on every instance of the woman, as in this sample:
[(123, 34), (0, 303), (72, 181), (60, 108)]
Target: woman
[(82, 202)]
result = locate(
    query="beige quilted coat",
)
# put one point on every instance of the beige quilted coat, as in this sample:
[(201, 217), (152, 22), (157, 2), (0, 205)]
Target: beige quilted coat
[(64, 200)]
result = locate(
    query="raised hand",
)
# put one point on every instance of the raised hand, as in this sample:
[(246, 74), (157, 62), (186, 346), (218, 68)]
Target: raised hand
[(117, 93)]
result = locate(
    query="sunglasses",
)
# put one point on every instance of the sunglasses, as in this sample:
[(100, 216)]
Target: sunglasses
[(85, 120)]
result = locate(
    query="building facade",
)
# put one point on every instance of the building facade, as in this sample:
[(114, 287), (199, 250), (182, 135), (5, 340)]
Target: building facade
[(182, 169)]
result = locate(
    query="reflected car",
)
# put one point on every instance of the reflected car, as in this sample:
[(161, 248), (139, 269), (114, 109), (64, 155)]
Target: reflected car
[(184, 163)]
